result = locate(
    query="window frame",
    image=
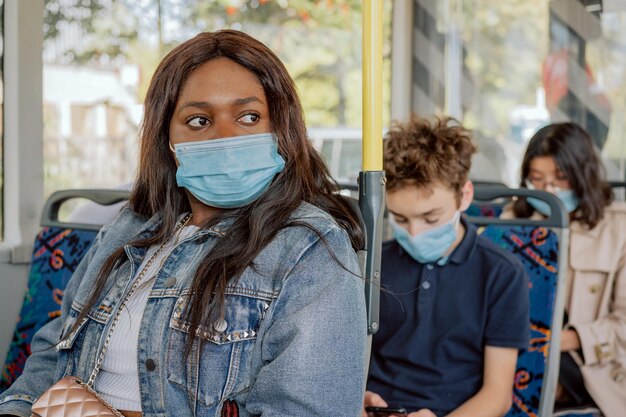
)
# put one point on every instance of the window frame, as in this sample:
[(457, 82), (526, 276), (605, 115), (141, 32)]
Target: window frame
[(23, 128), (2, 121)]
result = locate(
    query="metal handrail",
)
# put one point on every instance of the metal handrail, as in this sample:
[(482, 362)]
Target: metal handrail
[(105, 197), (558, 215)]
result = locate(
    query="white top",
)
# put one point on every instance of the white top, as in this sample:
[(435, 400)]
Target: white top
[(118, 380)]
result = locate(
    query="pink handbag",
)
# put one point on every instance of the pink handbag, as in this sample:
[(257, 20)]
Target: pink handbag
[(71, 397)]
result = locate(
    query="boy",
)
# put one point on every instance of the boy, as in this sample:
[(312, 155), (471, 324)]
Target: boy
[(454, 307)]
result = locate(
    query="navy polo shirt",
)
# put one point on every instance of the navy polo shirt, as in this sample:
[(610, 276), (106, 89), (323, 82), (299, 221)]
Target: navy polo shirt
[(435, 321)]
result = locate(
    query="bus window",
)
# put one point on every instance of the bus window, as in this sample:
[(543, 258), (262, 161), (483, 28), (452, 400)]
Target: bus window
[(477, 62), (329, 154), (99, 57), (350, 161), (341, 149)]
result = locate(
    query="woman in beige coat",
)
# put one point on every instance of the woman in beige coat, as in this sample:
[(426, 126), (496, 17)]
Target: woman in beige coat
[(561, 159)]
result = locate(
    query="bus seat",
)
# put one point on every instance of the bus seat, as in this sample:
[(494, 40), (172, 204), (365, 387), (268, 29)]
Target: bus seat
[(58, 249), (541, 246), (487, 208)]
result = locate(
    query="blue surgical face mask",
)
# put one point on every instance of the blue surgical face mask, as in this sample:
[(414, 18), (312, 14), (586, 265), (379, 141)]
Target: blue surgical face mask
[(568, 198), (228, 172), (429, 245)]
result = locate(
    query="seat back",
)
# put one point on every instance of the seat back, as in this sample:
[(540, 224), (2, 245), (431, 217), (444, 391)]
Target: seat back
[(487, 208), (541, 246), (58, 249)]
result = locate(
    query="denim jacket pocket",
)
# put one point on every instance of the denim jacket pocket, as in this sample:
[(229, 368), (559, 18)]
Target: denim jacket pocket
[(66, 362), (227, 346), (67, 340)]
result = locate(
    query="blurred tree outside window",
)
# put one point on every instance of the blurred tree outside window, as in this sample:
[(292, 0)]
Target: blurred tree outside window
[(100, 54)]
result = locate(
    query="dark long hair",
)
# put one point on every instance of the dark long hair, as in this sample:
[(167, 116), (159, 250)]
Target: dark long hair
[(572, 149), (305, 177)]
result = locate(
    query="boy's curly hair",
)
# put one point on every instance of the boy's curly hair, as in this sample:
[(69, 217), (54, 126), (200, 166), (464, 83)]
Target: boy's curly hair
[(423, 152)]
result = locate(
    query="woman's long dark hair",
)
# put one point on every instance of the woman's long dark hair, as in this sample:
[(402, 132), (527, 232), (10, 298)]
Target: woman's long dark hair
[(572, 149), (305, 177)]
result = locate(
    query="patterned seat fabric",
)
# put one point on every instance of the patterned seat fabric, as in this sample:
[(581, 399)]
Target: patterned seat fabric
[(56, 255), (537, 249), (485, 210)]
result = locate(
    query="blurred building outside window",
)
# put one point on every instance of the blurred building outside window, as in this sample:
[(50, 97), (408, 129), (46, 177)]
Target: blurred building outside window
[(507, 68), (99, 56)]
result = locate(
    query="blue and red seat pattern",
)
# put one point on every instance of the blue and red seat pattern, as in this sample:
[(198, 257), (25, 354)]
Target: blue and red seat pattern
[(537, 249), (56, 254)]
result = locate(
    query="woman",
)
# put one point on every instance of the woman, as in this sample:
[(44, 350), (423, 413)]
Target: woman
[(234, 261), (561, 159)]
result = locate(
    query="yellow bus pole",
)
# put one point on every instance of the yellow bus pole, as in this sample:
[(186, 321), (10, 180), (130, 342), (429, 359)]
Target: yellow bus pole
[(372, 177), (372, 85)]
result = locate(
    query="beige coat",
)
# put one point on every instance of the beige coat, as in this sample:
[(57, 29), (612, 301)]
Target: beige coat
[(596, 305)]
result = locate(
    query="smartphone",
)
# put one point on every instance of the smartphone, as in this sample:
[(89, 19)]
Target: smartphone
[(385, 411)]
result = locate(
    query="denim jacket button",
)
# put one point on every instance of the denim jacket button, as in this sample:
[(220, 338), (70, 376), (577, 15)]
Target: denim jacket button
[(150, 365), (170, 282), (220, 325)]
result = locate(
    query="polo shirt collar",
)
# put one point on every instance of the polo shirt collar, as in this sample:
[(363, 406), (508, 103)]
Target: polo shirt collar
[(466, 247)]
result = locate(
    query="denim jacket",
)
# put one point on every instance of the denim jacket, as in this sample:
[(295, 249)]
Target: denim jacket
[(294, 343)]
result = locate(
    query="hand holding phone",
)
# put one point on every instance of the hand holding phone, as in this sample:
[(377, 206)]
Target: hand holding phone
[(385, 412)]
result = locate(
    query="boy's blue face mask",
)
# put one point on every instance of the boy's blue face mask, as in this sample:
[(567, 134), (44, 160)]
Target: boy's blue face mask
[(228, 172), (429, 245), (568, 198)]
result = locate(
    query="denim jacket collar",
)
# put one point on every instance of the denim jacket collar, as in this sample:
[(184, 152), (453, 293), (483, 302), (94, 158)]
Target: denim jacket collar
[(154, 223)]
